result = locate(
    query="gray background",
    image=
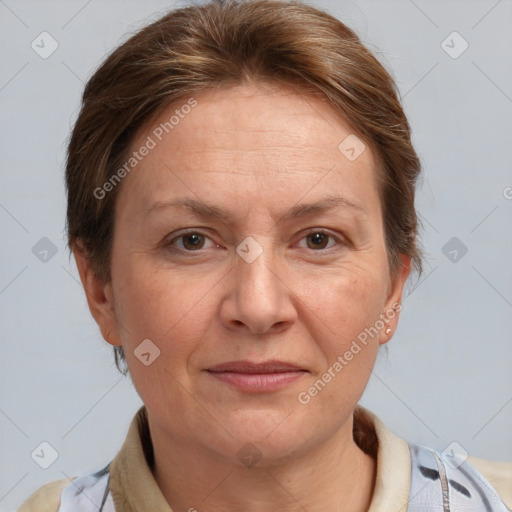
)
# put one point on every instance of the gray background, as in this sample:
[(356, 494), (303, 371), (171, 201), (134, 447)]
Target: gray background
[(447, 373)]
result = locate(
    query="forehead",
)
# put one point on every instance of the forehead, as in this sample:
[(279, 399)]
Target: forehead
[(271, 143)]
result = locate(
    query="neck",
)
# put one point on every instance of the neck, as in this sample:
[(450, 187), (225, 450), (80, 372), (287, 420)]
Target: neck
[(335, 475)]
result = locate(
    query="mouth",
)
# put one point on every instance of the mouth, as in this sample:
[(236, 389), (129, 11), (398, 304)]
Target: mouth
[(257, 377)]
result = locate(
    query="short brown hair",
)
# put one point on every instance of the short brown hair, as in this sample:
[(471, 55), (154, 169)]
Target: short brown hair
[(223, 43)]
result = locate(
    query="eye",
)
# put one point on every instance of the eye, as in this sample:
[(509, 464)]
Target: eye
[(317, 239), (194, 240), (191, 241)]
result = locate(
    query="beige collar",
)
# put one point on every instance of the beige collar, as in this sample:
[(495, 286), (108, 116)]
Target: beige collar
[(134, 488)]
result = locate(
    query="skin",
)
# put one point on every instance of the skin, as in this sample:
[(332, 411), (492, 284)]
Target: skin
[(254, 150)]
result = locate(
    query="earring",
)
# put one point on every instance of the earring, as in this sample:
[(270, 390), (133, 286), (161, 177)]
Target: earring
[(388, 331)]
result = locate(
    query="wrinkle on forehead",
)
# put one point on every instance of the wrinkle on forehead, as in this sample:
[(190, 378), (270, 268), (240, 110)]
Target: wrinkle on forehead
[(267, 142)]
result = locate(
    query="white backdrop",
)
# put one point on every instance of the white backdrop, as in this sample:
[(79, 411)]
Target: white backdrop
[(447, 373)]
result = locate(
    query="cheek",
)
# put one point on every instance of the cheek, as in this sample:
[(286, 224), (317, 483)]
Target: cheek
[(347, 309), (171, 311), (346, 302), (345, 316), (161, 305)]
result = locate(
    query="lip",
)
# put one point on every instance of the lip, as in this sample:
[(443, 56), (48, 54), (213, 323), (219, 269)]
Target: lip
[(257, 377), (273, 366)]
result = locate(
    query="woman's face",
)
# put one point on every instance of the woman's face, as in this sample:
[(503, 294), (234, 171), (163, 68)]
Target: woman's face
[(261, 275)]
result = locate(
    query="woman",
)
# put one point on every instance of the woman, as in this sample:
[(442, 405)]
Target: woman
[(241, 209)]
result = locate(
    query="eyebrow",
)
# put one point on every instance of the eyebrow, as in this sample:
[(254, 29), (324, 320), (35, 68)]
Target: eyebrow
[(208, 211)]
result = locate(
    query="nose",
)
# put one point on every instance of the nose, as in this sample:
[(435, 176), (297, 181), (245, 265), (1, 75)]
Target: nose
[(259, 300)]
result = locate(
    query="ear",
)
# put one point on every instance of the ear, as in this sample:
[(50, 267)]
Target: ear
[(99, 296), (393, 304)]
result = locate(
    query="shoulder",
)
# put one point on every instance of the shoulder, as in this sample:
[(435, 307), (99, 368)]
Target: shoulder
[(498, 474), (468, 483), (73, 494), (46, 498)]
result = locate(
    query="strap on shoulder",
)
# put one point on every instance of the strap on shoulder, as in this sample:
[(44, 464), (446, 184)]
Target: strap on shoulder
[(448, 484), (88, 493)]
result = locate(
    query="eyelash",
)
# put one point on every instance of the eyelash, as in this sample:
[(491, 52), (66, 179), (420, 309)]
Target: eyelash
[(169, 245)]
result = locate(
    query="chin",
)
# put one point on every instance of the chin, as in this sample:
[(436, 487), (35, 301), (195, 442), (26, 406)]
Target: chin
[(271, 436)]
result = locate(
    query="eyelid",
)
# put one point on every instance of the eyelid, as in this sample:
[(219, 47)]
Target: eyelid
[(340, 240), (168, 242)]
